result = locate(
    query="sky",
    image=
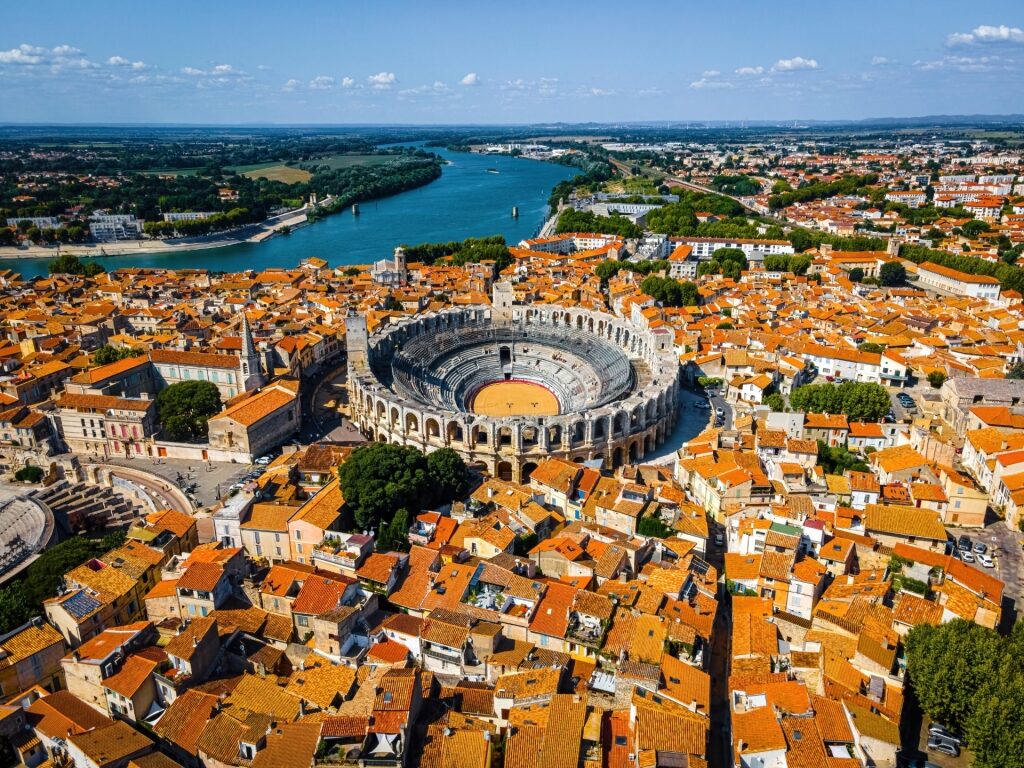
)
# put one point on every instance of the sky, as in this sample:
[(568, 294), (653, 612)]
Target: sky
[(446, 62)]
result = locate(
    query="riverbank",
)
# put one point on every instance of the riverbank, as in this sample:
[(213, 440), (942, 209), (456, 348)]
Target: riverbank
[(252, 233), (466, 201)]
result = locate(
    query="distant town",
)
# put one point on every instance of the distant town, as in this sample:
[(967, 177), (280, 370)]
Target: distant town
[(724, 467)]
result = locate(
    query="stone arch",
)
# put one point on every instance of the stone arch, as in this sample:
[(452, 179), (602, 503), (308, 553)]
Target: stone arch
[(506, 436), (579, 322), (395, 416), (636, 417), (480, 435), (600, 428), (590, 324), (634, 453), (530, 436), (555, 435), (525, 471), (504, 470), (454, 432), (652, 410), (620, 423), (617, 458), (579, 459), (381, 409), (649, 443), (412, 423), (433, 428)]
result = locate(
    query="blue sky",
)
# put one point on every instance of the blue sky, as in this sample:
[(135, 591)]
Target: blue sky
[(436, 61)]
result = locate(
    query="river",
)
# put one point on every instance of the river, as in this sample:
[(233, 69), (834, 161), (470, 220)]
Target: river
[(467, 201)]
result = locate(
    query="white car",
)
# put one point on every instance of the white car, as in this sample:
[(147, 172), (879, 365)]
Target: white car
[(262, 461), (986, 560), (966, 556)]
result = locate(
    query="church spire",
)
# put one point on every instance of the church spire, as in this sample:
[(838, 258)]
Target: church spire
[(248, 348)]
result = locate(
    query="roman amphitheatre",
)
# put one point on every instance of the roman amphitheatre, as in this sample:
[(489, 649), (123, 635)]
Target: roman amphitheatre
[(506, 385)]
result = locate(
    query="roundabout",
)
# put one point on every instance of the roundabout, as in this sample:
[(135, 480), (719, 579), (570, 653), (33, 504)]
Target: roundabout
[(508, 385)]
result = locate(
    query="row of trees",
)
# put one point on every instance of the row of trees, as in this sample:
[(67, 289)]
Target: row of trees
[(819, 190), (738, 186), (359, 183), (72, 265), (384, 485), (236, 217), (671, 292), (729, 262), (796, 264), (110, 354), (608, 268), (571, 220), (472, 250), (971, 679), (1010, 277), (859, 401)]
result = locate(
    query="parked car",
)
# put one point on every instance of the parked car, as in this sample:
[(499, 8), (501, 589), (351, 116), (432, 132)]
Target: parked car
[(936, 729), (964, 543), (262, 461), (719, 412), (980, 548), (719, 539), (944, 745), (966, 556), (986, 560)]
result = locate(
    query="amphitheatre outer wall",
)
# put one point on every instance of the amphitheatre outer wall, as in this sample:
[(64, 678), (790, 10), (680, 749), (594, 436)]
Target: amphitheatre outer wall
[(621, 430)]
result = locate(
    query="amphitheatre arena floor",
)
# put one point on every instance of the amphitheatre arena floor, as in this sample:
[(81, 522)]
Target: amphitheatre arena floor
[(514, 398)]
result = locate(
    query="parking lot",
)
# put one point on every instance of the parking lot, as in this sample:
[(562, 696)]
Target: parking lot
[(1004, 545)]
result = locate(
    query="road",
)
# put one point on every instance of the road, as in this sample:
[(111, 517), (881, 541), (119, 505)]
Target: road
[(321, 419), (693, 419)]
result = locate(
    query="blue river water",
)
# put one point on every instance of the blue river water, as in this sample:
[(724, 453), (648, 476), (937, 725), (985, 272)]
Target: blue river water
[(466, 201)]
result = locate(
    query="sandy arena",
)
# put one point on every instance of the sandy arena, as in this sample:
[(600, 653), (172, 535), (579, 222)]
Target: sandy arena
[(514, 398)]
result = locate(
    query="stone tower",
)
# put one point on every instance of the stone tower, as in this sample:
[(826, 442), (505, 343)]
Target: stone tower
[(249, 362), (400, 268), (501, 302)]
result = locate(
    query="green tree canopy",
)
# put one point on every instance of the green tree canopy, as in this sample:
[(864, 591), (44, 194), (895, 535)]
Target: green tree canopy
[(936, 379), (952, 667), (856, 275), (859, 401), (448, 475), (108, 354), (380, 479), (184, 409), (670, 292), (892, 273), (71, 265)]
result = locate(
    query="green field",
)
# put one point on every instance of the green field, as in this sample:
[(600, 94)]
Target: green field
[(335, 162), (274, 171)]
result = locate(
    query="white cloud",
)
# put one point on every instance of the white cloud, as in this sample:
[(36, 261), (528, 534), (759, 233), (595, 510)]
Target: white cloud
[(224, 69), (988, 34), (121, 61), (263, 67), (705, 83), (794, 64), (470, 79), (192, 72), (600, 92), (881, 61), (652, 91), (964, 64), (321, 83), (382, 80), (31, 55), (749, 71), (291, 85), (710, 73), (347, 82)]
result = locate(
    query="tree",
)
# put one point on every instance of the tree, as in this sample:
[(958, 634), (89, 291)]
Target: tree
[(974, 228), (449, 477), (856, 275), (394, 535), (872, 347), (950, 665), (378, 480), (184, 409), (892, 273), (995, 729), (108, 354), (670, 292), (859, 401), (1016, 371), (937, 379), (776, 402), (72, 265), (29, 474)]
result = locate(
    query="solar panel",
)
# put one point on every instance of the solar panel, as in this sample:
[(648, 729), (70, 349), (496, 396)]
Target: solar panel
[(699, 566), (81, 604)]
